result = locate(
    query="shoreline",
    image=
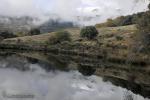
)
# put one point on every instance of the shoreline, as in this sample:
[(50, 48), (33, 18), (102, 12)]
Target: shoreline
[(102, 55)]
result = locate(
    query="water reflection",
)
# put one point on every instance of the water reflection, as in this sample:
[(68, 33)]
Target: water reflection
[(86, 70), (60, 86), (34, 79)]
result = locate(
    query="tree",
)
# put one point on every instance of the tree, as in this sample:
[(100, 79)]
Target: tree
[(89, 32)]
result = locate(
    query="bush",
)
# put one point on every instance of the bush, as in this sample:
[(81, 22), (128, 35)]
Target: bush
[(144, 28), (89, 32), (7, 34), (63, 36), (119, 38), (100, 25), (1, 38), (34, 32), (122, 20), (110, 23), (59, 37), (20, 34), (143, 34)]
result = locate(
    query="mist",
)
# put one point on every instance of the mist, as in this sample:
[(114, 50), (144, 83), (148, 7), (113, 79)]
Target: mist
[(79, 11)]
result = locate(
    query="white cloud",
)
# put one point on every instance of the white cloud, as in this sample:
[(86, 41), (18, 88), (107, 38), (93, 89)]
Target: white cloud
[(18, 7), (68, 9), (111, 8)]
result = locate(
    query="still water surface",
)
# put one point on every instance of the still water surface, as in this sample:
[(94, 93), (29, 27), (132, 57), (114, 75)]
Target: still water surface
[(23, 78)]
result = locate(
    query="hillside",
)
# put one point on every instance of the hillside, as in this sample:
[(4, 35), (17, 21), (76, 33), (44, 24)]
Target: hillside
[(112, 45), (116, 40), (54, 25), (107, 35), (16, 24), (25, 24)]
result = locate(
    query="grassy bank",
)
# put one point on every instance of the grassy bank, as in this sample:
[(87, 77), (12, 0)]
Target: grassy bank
[(112, 44)]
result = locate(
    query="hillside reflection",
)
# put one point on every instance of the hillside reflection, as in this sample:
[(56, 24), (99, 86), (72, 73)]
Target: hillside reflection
[(50, 76)]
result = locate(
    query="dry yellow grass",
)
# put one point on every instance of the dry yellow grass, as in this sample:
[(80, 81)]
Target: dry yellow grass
[(107, 35), (107, 39), (29, 39)]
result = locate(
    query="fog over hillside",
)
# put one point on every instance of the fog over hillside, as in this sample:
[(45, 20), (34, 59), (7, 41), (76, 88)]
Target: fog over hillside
[(83, 12)]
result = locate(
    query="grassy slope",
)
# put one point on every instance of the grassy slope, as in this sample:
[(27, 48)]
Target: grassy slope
[(106, 35), (42, 38), (114, 40)]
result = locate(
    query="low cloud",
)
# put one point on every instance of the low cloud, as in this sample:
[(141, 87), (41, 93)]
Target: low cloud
[(80, 11)]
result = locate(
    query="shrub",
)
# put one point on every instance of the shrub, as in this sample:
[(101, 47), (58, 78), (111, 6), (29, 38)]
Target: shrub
[(143, 34), (7, 34), (1, 38), (110, 23), (89, 32), (34, 32), (100, 25), (59, 37), (119, 38), (63, 36), (20, 34), (122, 20), (144, 28)]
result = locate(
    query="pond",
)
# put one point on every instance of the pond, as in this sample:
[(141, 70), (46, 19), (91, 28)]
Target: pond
[(35, 76)]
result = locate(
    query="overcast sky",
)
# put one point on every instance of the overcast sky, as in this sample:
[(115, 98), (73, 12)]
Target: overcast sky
[(68, 9)]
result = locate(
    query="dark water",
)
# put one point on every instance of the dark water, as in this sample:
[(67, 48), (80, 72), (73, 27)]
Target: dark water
[(35, 76)]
